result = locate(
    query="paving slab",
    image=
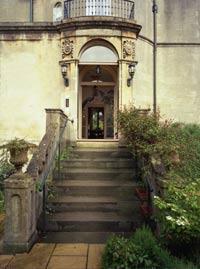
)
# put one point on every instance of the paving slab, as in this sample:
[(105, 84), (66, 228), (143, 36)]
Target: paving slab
[(67, 262), (71, 249), (38, 258), (94, 256), (4, 260)]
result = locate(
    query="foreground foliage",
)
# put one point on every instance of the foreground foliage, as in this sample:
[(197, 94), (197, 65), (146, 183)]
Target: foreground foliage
[(141, 251), (179, 212), (6, 169), (176, 148)]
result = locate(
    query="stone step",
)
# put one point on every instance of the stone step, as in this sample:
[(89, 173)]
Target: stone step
[(114, 188), (93, 153), (64, 203), (93, 143), (102, 163), (95, 174), (80, 237), (95, 183), (91, 221)]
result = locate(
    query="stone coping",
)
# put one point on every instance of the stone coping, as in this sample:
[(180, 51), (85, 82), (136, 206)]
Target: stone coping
[(56, 110), (87, 22)]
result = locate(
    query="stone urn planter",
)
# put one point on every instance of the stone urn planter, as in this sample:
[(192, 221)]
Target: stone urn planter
[(18, 150), (18, 158)]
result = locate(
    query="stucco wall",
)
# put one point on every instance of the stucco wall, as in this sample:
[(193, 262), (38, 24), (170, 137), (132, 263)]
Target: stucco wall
[(14, 10), (143, 80), (30, 82), (179, 83), (31, 79), (179, 21)]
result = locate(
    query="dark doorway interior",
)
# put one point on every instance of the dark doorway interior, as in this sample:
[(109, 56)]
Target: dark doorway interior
[(96, 122)]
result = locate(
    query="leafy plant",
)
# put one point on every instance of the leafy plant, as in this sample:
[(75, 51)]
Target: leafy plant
[(66, 153), (179, 211), (1, 201), (17, 145), (6, 169), (141, 251), (176, 148), (123, 253)]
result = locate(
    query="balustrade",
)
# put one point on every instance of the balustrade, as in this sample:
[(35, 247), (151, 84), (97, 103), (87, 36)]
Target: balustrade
[(114, 8)]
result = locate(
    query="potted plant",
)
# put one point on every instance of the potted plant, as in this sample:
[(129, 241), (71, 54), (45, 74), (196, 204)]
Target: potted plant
[(18, 150), (141, 192), (145, 210)]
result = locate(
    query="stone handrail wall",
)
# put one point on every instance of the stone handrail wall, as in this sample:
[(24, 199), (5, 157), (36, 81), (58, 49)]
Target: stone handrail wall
[(23, 202), (42, 161)]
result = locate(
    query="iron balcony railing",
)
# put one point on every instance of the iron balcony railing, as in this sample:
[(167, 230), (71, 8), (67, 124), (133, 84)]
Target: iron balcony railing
[(114, 8)]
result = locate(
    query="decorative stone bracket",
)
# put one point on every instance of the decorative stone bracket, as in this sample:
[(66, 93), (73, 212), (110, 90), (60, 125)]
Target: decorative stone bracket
[(67, 48), (128, 49)]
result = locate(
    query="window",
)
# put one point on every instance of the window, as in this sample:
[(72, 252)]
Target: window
[(57, 12), (98, 54)]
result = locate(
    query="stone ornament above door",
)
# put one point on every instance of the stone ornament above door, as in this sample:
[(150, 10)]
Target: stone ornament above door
[(128, 49), (67, 48)]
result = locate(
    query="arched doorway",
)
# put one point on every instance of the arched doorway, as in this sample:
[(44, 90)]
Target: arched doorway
[(98, 93)]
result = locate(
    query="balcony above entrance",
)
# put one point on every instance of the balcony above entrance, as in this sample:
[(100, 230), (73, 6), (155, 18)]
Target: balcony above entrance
[(114, 8)]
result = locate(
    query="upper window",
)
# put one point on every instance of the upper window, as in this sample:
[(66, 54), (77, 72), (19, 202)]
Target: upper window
[(57, 12), (98, 54)]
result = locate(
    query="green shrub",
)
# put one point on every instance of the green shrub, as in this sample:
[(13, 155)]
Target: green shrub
[(178, 264), (179, 212), (123, 253), (141, 251), (144, 238), (176, 146), (6, 169)]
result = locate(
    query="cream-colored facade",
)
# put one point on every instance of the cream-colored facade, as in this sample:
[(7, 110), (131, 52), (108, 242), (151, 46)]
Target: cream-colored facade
[(32, 55)]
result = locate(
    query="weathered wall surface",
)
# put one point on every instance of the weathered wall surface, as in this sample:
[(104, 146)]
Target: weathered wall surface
[(178, 64), (14, 10), (143, 16), (31, 79), (43, 10), (179, 21), (178, 83), (143, 80), (19, 10), (30, 82)]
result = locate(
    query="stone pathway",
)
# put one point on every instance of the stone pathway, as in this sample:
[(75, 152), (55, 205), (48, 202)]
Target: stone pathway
[(56, 256)]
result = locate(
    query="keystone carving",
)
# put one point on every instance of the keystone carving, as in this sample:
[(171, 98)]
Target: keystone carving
[(67, 48), (128, 49)]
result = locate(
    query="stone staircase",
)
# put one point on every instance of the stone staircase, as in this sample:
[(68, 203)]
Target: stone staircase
[(95, 195)]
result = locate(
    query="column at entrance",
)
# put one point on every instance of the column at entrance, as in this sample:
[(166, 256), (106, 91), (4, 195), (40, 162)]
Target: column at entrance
[(125, 92)]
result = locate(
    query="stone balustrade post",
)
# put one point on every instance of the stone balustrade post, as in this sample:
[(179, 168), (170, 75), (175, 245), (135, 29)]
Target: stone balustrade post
[(20, 223), (54, 117)]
